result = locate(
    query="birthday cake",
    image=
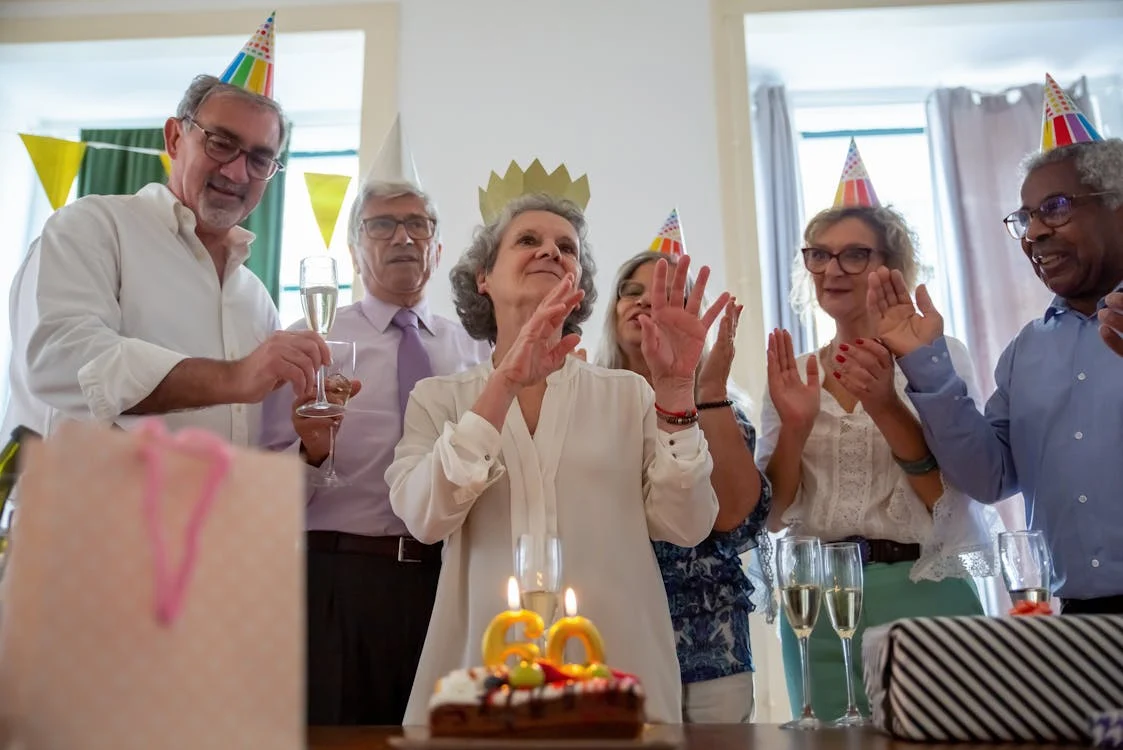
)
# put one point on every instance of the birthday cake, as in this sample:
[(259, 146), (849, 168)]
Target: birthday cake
[(537, 700)]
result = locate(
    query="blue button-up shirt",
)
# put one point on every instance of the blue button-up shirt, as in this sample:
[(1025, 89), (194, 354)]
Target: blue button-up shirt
[(1053, 430)]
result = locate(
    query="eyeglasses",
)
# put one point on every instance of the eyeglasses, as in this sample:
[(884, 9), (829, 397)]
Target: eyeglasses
[(224, 150), (1055, 211), (384, 227), (852, 260)]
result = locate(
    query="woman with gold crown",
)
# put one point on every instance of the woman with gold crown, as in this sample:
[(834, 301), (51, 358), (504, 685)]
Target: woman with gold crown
[(851, 464), (538, 441)]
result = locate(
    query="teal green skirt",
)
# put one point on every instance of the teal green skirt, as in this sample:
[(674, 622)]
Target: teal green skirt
[(889, 595)]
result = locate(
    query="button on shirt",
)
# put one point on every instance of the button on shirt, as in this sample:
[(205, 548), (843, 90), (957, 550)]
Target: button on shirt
[(1052, 431), (372, 425), (126, 291)]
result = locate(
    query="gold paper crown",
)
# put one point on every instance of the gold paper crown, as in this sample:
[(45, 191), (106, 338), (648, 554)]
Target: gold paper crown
[(502, 190)]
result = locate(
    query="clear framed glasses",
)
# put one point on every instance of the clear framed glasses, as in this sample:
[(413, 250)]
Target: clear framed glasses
[(224, 149), (1055, 211), (384, 227), (852, 260)]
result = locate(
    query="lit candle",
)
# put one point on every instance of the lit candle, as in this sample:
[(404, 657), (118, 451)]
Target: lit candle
[(496, 648), (572, 626)]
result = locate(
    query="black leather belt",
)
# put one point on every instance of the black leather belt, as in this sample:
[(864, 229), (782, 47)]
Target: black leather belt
[(1104, 605), (884, 550), (404, 549)]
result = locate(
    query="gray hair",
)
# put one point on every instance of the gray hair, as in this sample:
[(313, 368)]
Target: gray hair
[(387, 190), (205, 86), (476, 311), (1099, 165), (896, 240)]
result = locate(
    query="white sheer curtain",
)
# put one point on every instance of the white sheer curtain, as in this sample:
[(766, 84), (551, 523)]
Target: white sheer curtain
[(977, 144)]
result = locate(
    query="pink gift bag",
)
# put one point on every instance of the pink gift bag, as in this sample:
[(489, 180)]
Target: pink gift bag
[(154, 595)]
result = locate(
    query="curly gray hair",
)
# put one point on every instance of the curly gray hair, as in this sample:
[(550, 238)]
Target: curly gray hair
[(476, 311), (204, 87), (1099, 164), (896, 241)]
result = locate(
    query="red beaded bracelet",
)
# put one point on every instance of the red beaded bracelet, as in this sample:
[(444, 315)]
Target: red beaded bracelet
[(680, 414)]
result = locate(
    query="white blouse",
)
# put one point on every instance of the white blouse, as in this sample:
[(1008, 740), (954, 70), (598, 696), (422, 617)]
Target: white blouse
[(598, 473), (851, 485)]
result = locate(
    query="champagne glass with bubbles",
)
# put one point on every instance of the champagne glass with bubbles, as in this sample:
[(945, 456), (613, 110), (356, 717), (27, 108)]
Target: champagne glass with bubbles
[(799, 562), (538, 566), (319, 294), (1027, 567), (842, 589)]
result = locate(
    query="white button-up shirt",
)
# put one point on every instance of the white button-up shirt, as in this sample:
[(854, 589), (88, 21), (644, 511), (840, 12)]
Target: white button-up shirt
[(126, 291)]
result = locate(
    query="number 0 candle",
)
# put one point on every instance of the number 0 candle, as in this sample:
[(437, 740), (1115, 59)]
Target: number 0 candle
[(572, 626)]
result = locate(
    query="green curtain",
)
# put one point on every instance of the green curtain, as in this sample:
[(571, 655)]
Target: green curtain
[(109, 171)]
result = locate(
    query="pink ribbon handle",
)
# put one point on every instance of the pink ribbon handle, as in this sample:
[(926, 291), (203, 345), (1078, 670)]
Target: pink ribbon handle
[(170, 589)]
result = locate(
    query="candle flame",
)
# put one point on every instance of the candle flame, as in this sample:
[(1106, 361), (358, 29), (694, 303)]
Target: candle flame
[(512, 593), (570, 603)]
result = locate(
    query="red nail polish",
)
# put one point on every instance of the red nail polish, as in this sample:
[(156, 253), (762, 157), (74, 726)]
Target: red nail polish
[(846, 347), (858, 341), (837, 375), (840, 358)]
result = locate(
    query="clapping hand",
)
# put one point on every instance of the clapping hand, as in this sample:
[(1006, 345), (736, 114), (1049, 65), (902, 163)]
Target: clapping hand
[(715, 370), (865, 368), (796, 402), (899, 326), (1111, 322), (540, 347)]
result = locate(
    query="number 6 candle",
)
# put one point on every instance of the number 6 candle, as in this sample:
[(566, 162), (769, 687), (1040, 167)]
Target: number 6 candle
[(572, 626), (496, 648)]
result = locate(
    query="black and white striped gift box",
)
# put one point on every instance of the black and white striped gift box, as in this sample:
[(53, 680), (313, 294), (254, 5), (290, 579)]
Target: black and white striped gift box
[(985, 679)]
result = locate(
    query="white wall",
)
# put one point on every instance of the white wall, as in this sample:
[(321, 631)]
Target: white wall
[(622, 91)]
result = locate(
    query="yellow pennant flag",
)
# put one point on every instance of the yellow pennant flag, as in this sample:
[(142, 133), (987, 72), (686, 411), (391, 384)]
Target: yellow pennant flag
[(327, 192), (166, 161), (57, 162)]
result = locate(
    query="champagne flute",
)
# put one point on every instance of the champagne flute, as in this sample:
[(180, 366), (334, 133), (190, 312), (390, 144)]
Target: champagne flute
[(319, 294), (842, 588), (338, 375), (1027, 568), (538, 567), (799, 561)]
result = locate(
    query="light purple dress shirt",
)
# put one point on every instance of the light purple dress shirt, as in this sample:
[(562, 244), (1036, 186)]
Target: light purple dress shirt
[(372, 426)]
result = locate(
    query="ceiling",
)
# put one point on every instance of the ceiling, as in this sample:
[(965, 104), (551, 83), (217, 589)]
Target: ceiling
[(978, 45)]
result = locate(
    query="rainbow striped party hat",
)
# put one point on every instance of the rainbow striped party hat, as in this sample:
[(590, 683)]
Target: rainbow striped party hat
[(669, 239), (1062, 123), (855, 187), (252, 68)]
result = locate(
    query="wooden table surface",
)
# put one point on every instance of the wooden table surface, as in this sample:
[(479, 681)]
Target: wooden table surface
[(697, 737)]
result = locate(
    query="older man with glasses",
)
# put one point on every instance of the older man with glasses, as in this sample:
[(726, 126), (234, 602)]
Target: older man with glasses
[(144, 306), (1053, 427), (371, 587)]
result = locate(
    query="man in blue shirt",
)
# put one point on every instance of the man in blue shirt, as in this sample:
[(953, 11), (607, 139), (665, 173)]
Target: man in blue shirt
[(1054, 426)]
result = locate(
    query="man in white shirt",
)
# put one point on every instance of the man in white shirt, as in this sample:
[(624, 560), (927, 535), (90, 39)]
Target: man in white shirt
[(371, 587), (144, 305)]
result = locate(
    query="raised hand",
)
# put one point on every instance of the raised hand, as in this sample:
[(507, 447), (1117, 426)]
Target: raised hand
[(673, 334), (796, 402), (540, 348), (715, 370), (899, 326), (285, 357), (1111, 322), (866, 369)]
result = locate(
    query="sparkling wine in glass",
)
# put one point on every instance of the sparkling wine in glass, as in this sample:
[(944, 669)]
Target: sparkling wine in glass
[(338, 375), (842, 589), (538, 566), (800, 568), (1027, 568), (319, 295)]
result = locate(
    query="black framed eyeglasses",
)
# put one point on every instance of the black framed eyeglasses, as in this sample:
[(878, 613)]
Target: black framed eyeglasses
[(384, 227), (224, 149), (1055, 211), (852, 260)]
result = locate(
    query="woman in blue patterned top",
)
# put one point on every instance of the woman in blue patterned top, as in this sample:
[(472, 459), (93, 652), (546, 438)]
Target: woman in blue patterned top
[(708, 592)]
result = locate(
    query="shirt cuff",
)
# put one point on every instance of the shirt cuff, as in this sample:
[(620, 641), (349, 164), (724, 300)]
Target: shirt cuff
[(929, 369), (122, 377), (684, 445)]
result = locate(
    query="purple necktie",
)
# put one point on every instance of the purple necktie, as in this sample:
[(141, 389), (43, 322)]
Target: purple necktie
[(413, 361)]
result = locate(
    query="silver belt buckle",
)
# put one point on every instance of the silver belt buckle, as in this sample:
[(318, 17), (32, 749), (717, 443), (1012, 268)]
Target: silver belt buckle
[(402, 552)]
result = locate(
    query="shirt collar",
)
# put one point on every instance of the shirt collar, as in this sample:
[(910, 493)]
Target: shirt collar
[(1060, 304), (381, 314), (181, 220)]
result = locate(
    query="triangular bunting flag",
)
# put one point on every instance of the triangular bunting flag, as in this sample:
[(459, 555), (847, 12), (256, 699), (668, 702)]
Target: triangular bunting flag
[(1062, 123), (166, 161), (855, 187), (327, 192), (669, 240), (57, 162), (252, 68)]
